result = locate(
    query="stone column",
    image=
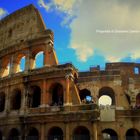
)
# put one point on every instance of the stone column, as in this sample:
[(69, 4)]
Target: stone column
[(1, 68), (23, 101), (42, 132), (49, 55), (27, 62), (7, 100), (95, 136), (67, 134), (67, 97), (30, 63), (46, 55), (11, 69), (43, 94)]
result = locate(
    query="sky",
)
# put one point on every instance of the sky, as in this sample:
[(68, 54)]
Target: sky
[(88, 32)]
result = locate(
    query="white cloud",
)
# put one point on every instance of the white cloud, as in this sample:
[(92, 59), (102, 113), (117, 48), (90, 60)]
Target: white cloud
[(108, 15), (93, 15), (67, 7), (3, 13), (44, 5), (82, 51)]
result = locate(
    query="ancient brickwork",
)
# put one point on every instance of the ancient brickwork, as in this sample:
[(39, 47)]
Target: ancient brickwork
[(20, 26)]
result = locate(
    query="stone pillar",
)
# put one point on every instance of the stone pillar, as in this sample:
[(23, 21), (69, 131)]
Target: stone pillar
[(67, 97), (24, 104), (30, 61), (121, 130), (25, 132), (95, 135), (69, 79), (43, 94), (45, 55), (42, 132), (7, 100), (45, 100), (29, 64), (49, 55), (67, 134), (14, 65), (1, 68)]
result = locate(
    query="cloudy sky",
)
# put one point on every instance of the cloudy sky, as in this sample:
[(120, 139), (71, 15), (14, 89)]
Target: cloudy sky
[(89, 32)]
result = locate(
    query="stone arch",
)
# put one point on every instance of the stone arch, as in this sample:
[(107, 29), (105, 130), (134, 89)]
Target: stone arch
[(5, 69), (34, 97), (84, 94), (16, 99), (57, 94), (109, 134), (109, 92), (2, 101), (19, 64), (138, 101), (55, 133), (81, 133), (132, 134), (14, 134), (38, 57), (33, 134)]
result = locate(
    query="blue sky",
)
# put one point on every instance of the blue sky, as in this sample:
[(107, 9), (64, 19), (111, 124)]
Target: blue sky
[(89, 33)]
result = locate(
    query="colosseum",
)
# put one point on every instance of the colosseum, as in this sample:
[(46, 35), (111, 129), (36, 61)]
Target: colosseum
[(56, 101)]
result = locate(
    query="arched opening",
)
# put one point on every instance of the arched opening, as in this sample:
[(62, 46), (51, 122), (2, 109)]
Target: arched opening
[(34, 97), (57, 94), (16, 99), (106, 96), (39, 59), (132, 134), (85, 96), (105, 100), (2, 101), (14, 134), (19, 66), (55, 133), (81, 133), (136, 70), (22, 64), (109, 134), (138, 101), (6, 70), (33, 134)]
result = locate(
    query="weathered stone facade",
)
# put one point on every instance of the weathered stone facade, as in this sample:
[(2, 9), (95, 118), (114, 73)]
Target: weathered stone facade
[(47, 103)]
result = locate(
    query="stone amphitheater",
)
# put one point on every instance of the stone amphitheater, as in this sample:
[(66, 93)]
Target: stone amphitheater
[(56, 101)]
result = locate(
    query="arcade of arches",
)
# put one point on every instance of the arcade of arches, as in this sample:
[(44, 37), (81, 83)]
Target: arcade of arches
[(78, 133), (56, 95)]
